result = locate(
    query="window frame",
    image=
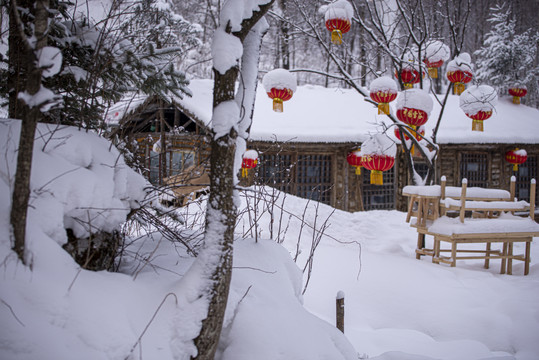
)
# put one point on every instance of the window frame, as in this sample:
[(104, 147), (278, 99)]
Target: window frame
[(474, 180)]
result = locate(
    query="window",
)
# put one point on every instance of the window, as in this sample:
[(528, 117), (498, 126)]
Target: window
[(421, 168), (275, 170), (307, 176), (176, 162), (314, 177), (526, 172), (474, 167), (379, 196)]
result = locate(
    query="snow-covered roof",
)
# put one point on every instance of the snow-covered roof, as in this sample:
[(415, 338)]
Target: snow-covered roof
[(318, 114)]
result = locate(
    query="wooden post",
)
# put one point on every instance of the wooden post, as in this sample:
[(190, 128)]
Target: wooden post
[(443, 183), (463, 199), (512, 186), (532, 199), (340, 310), (442, 194)]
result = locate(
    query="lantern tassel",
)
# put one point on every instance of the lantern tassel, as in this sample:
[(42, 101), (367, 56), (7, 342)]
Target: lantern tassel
[(358, 170), (336, 37), (516, 100), (459, 88), (408, 85), (477, 125), (383, 109), (433, 73), (377, 177), (244, 172), (515, 167), (277, 105)]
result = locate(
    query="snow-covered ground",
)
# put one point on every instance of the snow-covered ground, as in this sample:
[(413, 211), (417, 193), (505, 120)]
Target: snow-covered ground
[(396, 306)]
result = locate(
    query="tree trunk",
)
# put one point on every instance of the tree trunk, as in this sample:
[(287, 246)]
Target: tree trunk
[(221, 214), (285, 37), (30, 116), (216, 256)]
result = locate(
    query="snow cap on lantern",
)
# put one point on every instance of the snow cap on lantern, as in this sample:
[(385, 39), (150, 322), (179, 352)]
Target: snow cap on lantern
[(414, 107), (478, 102), (337, 17), (354, 159), (517, 92), (410, 73), (436, 53), (280, 84), (378, 155), (383, 90), (516, 157), (249, 161), (460, 72)]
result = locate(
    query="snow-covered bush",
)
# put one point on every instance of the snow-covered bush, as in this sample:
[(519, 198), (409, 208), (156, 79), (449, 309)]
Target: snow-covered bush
[(79, 181)]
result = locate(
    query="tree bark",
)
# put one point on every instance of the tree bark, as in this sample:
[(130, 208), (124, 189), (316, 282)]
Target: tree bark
[(25, 59), (221, 214)]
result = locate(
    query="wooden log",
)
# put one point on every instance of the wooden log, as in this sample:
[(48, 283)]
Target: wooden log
[(339, 305)]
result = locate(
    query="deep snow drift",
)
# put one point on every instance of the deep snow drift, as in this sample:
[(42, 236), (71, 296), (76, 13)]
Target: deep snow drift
[(396, 306)]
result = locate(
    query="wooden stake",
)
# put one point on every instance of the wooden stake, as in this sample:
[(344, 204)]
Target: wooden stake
[(532, 199), (512, 186), (340, 310), (463, 199)]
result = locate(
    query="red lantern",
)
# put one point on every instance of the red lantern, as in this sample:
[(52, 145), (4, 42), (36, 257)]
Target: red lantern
[(338, 27), (278, 96), (477, 123), (354, 159), (248, 162), (377, 164), (517, 93), (383, 98), (413, 117), (409, 77), (516, 157), (432, 67), (459, 78)]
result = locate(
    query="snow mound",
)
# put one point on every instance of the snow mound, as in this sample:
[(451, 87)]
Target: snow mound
[(79, 181), (265, 315)]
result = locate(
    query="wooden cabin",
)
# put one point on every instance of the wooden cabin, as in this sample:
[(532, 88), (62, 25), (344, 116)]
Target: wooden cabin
[(303, 150)]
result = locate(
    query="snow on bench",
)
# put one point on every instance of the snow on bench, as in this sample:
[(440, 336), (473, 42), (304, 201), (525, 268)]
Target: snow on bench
[(475, 193), (476, 205), (504, 224)]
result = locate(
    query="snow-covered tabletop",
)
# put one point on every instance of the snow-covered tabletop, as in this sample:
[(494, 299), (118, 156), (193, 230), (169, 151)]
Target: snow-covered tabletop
[(455, 191)]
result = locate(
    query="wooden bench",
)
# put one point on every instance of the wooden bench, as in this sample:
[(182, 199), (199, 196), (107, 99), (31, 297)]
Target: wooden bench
[(506, 229)]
